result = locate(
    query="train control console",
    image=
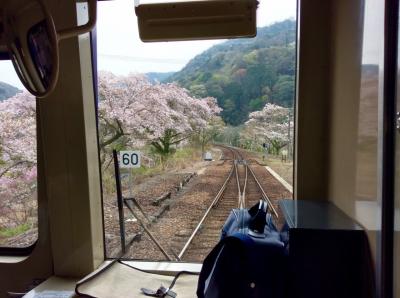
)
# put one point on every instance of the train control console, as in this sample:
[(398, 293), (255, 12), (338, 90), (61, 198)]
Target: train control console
[(329, 254)]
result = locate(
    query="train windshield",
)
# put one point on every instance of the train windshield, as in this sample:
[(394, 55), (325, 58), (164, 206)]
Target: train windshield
[(198, 128), (195, 124)]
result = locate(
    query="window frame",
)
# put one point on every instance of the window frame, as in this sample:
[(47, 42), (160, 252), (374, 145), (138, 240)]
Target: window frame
[(151, 264)]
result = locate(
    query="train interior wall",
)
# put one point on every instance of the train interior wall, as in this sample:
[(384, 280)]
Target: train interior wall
[(340, 88), (70, 242)]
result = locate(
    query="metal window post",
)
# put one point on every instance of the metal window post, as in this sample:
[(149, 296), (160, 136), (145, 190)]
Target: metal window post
[(120, 202)]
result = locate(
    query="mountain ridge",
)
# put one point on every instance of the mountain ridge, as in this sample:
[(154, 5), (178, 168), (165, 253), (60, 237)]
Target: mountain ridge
[(7, 91), (245, 74)]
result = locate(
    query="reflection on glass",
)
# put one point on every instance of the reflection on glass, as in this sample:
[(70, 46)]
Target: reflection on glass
[(41, 51), (367, 175), (396, 275)]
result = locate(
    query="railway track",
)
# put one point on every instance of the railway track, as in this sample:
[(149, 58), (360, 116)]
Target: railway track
[(241, 189)]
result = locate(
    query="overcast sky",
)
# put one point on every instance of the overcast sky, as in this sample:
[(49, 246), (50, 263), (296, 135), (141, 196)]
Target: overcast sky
[(120, 50)]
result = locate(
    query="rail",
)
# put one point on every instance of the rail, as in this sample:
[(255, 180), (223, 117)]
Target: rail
[(236, 161), (214, 202), (265, 197)]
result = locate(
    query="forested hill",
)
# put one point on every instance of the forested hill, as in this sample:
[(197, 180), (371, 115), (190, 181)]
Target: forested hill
[(7, 91), (244, 74)]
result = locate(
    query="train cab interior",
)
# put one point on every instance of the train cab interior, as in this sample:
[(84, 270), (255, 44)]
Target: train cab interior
[(341, 210)]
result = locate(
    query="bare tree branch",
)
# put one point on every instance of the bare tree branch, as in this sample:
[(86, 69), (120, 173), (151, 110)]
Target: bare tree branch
[(6, 170)]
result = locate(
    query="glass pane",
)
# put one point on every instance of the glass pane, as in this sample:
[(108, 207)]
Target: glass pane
[(18, 181), (367, 206), (180, 104), (396, 249)]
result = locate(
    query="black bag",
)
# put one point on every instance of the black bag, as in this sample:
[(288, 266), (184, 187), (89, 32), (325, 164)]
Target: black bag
[(250, 260)]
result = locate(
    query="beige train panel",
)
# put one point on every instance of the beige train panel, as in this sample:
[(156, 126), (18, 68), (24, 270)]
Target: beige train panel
[(313, 101), (70, 221), (16, 275), (73, 186)]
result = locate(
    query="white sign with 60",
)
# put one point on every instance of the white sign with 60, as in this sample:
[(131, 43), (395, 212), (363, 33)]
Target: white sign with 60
[(129, 159)]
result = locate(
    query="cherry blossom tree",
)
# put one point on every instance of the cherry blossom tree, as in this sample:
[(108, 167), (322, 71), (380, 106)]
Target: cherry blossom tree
[(208, 133), (18, 176), (134, 112), (271, 124)]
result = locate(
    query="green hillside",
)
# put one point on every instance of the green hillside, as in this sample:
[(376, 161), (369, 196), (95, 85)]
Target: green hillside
[(244, 74), (7, 91)]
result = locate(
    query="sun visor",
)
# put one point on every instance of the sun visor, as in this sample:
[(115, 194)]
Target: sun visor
[(197, 20)]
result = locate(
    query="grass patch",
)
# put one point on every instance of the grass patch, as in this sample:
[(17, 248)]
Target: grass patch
[(14, 231), (183, 153), (283, 169), (145, 171), (183, 157), (187, 154)]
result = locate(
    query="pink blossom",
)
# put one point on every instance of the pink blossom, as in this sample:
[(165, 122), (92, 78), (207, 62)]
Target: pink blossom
[(18, 175), (131, 106), (271, 123)]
